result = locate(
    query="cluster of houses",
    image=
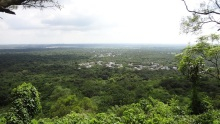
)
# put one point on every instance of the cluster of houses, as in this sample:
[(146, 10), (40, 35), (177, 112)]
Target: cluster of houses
[(87, 64), (105, 55), (113, 65), (101, 63), (152, 66)]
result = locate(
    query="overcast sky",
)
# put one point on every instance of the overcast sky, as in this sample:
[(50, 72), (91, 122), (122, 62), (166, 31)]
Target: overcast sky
[(97, 21)]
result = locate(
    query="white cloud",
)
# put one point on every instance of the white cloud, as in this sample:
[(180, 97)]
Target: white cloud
[(97, 21)]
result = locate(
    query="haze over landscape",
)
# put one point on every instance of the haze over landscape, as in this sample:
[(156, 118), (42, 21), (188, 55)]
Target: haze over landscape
[(109, 62), (97, 22)]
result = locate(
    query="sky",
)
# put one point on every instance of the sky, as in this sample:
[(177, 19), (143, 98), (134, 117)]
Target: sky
[(97, 22)]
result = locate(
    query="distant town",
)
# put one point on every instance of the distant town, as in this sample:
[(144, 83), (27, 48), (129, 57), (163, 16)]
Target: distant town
[(111, 64)]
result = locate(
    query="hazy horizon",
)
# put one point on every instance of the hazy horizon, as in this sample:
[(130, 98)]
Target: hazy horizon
[(47, 46)]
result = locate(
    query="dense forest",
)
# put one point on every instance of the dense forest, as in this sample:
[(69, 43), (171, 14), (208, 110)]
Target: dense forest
[(110, 84), (129, 85)]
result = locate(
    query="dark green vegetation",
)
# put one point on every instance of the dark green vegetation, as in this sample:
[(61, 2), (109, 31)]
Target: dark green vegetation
[(95, 85)]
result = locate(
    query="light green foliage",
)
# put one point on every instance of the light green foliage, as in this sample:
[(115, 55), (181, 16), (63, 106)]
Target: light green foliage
[(148, 111), (190, 64), (202, 13), (2, 120), (26, 104), (176, 108), (204, 55), (191, 24)]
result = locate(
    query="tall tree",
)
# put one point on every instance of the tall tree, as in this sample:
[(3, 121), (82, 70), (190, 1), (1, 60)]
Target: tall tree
[(208, 48), (202, 59), (7, 5), (25, 105), (207, 12), (192, 66)]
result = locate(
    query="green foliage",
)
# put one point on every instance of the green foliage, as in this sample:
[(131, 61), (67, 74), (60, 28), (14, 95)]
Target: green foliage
[(210, 117), (63, 106), (66, 103), (191, 24), (108, 95), (87, 105), (193, 63), (2, 120), (202, 13), (176, 107), (148, 111), (25, 105), (59, 92), (204, 57), (190, 64)]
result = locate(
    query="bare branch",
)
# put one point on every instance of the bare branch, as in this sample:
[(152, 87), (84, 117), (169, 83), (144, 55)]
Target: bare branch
[(6, 11), (216, 2), (6, 4), (197, 12)]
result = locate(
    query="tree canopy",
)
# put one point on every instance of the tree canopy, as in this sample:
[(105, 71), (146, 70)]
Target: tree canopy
[(203, 59), (7, 6), (205, 54), (207, 47), (26, 104), (198, 61), (208, 12)]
